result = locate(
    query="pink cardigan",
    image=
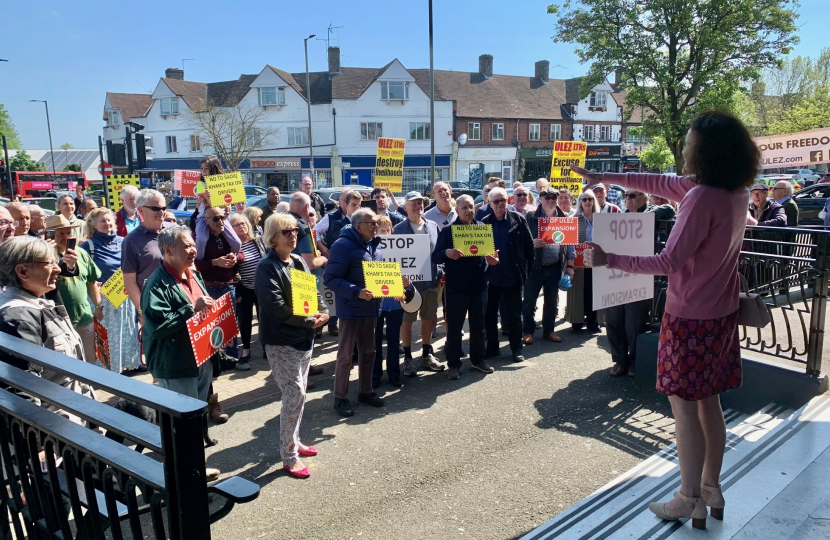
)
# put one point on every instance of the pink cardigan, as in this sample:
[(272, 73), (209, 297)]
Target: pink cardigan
[(701, 255)]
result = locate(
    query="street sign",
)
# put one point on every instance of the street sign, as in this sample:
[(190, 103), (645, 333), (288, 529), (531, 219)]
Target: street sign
[(345, 165), (107, 169)]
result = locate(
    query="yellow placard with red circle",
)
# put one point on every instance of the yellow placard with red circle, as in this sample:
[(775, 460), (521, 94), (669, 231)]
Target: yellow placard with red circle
[(383, 278), (303, 293)]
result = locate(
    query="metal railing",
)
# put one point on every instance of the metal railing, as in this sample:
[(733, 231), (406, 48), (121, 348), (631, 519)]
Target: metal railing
[(67, 480), (790, 268)]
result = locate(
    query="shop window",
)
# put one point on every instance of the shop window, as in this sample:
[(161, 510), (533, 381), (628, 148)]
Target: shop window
[(498, 132), (474, 131), (555, 132), (370, 131), (419, 131), (507, 170), (533, 132)]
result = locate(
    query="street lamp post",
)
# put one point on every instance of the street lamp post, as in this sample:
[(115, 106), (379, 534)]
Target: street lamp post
[(308, 100), (431, 105), (49, 127)]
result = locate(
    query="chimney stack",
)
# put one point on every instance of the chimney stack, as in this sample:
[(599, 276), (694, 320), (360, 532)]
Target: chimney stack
[(617, 77), (174, 73), (485, 65), (334, 60), (543, 71)]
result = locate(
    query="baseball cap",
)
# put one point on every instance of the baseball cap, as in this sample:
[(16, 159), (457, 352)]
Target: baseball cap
[(412, 195)]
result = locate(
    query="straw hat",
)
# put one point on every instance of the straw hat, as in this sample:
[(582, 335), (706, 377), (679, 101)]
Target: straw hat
[(57, 221)]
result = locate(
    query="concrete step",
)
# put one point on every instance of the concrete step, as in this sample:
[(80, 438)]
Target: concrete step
[(774, 480)]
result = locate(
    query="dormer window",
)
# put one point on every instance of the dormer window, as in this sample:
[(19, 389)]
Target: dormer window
[(271, 95), (115, 118), (394, 90), (597, 100), (169, 106)]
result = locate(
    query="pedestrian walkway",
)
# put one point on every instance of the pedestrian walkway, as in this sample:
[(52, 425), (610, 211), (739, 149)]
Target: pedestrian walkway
[(774, 477)]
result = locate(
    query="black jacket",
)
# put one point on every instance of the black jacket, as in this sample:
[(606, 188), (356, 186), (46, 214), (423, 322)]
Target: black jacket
[(467, 274), (333, 232), (532, 219), (278, 324), (520, 243)]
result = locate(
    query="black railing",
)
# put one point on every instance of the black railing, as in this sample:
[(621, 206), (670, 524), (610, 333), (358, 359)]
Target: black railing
[(790, 268), (67, 480)]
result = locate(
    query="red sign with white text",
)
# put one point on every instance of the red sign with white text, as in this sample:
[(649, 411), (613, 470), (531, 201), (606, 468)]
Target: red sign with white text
[(560, 231), (213, 329), (185, 182), (579, 262)]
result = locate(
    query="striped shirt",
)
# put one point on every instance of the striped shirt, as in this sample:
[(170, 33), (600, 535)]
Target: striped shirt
[(247, 268)]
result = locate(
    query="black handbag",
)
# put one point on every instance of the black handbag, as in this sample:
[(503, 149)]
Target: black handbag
[(752, 311)]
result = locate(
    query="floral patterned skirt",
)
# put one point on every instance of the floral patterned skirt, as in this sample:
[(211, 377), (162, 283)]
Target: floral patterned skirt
[(698, 359)]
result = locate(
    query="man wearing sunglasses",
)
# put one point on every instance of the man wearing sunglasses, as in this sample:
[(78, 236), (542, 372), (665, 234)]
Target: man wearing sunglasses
[(140, 255)]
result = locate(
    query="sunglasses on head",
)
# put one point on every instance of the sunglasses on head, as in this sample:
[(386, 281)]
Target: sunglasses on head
[(290, 232), (155, 208)]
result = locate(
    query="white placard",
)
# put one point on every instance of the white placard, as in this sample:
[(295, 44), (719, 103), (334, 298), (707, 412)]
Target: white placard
[(327, 295), (795, 149), (413, 253), (623, 234)]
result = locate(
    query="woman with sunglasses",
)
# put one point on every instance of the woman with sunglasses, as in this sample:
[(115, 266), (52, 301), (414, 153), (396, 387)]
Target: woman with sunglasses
[(580, 312), (288, 338), (698, 353)]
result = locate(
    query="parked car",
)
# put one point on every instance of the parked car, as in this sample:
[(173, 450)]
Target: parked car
[(825, 178), (250, 191), (332, 195), (771, 179), (811, 201), (807, 177)]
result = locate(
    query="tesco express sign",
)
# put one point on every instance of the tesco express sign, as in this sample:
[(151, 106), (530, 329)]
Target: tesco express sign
[(276, 163)]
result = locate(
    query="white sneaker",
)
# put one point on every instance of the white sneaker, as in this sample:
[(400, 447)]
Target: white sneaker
[(242, 366)]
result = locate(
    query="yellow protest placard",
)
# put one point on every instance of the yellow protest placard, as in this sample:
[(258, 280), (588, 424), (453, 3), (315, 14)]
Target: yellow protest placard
[(115, 182), (303, 293), (473, 240), (389, 164), (565, 155), (114, 289), (225, 188), (383, 278)]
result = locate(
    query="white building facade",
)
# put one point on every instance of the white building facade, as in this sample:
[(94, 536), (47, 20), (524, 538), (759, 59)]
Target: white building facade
[(597, 120)]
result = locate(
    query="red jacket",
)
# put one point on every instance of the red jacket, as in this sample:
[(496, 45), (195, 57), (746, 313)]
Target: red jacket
[(121, 223)]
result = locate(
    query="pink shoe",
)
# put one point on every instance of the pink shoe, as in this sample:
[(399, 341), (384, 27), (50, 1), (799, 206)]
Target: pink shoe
[(302, 473), (308, 452)]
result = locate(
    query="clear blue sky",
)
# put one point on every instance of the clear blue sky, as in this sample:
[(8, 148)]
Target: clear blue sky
[(72, 53)]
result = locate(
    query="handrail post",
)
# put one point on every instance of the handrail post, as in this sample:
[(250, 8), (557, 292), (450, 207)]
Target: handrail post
[(819, 306), (188, 512)]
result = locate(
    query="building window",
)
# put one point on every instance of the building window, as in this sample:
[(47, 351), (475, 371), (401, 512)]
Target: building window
[(271, 95), (297, 136), (533, 132), (172, 148), (631, 137), (588, 134), (115, 118), (254, 138), (605, 133), (419, 131), (507, 171), (497, 132), (392, 90), (195, 143), (169, 106), (597, 100), (474, 131), (370, 131), (555, 132)]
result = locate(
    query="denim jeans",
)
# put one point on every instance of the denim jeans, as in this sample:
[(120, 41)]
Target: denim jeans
[(216, 293), (547, 278)]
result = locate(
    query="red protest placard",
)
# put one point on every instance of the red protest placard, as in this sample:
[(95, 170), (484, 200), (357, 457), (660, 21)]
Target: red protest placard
[(102, 343), (213, 329), (561, 231), (579, 262), (185, 182)]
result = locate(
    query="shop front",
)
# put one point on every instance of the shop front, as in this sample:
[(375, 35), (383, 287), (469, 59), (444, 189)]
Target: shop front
[(603, 157), (360, 170), (537, 163), (475, 165)]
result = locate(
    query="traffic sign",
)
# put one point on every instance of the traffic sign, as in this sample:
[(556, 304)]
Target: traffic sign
[(107, 169)]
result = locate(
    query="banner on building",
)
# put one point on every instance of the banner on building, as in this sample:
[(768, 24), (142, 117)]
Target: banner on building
[(115, 182), (185, 181), (473, 240), (389, 164), (567, 154), (303, 293), (562, 231), (213, 329), (625, 234), (114, 289), (383, 278), (411, 251), (102, 343), (795, 149), (226, 188)]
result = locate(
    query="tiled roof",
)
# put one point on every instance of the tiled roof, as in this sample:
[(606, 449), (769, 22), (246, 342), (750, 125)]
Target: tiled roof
[(289, 79), (129, 105), (636, 112), (193, 93), (229, 92)]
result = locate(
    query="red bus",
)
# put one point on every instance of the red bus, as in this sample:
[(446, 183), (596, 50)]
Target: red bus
[(39, 183)]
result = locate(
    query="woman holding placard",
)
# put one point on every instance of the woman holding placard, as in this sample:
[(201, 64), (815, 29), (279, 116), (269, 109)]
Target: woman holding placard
[(580, 311), (104, 246), (698, 355), (288, 338)]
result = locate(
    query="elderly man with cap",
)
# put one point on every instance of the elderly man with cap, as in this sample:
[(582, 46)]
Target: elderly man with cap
[(605, 207), (38, 219), (7, 225), (77, 282), (764, 211), (782, 192), (416, 224)]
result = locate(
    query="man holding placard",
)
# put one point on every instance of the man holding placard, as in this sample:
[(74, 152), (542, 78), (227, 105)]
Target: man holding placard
[(514, 246), (357, 307)]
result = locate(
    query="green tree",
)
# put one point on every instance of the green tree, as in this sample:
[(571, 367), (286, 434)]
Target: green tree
[(24, 162), (7, 128), (72, 167), (66, 146), (813, 112), (657, 155), (674, 56)]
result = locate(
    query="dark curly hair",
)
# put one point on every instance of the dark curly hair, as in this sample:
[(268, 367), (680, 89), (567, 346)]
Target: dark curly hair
[(213, 164), (724, 154)]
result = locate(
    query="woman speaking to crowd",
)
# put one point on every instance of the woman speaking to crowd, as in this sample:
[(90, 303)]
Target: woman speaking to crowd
[(699, 351)]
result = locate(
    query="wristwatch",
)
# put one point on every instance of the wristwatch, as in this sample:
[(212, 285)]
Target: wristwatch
[(569, 266), (99, 306)]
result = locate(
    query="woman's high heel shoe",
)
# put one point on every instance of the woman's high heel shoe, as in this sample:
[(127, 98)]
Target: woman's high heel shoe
[(713, 498), (698, 513)]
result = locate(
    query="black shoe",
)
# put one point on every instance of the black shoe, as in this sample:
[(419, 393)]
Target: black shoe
[(210, 442), (343, 407), (375, 383), (492, 354), (577, 327), (518, 357), (396, 383), (334, 331), (370, 399), (594, 328), (227, 363)]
